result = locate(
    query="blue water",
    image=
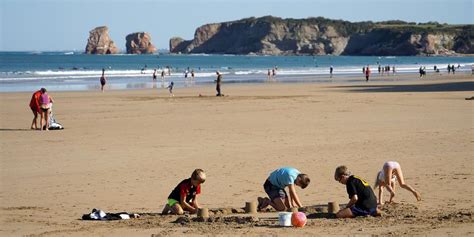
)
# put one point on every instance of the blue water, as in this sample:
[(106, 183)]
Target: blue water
[(27, 71)]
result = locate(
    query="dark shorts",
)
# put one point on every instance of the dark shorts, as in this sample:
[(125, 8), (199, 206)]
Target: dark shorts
[(102, 81), (274, 191), (356, 211), (44, 110)]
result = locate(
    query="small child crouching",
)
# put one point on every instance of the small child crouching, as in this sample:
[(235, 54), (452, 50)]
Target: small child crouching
[(184, 196)]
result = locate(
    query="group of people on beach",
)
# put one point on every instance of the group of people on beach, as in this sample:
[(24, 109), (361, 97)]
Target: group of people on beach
[(386, 69), (218, 81), (41, 103), (362, 199), (271, 73)]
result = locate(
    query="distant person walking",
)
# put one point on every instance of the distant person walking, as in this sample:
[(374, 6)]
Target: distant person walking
[(192, 74), (154, 75), (103, 80), (393, 69), (449, 68), (170, 88), (269, 75), (35, 108), (218, 83), (363, 70), (331, 69), (162, 75), (367, 73)]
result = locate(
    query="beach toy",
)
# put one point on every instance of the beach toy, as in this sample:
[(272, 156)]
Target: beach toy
[(298, 219), (284, 218), (251, 207), (203, 212), (333, 207)]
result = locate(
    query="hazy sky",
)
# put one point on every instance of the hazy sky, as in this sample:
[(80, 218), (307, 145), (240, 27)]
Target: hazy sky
[(65, 24)]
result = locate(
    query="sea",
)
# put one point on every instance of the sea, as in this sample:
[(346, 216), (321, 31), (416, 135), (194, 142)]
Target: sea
[(75, 71)]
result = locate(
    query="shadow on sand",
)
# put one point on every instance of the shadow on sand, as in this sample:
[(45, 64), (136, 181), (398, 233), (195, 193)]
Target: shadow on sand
[(15, 129), (434, 87)]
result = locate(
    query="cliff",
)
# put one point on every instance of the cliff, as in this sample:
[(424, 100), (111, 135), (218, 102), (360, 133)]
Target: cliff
[(99, 42), (139, 43), (320, 36)]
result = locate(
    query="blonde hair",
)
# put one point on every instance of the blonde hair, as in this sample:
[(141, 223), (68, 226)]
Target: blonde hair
[(199, 175), (340, 171)]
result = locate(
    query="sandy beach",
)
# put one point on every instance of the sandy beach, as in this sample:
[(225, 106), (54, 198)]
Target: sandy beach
[(126, 150)]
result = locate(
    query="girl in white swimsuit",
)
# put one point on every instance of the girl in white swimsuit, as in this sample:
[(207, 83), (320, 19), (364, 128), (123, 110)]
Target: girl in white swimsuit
[(390, 173)]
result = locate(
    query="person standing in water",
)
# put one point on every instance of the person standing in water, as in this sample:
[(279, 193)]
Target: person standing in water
[(330, 71), (367, 73), (103, 80)]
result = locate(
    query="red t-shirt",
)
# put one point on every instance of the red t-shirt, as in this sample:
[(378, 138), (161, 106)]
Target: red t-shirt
[(185, 188)]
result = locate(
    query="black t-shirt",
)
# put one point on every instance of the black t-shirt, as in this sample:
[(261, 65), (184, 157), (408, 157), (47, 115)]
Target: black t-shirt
[(185, 188), (366, 196)]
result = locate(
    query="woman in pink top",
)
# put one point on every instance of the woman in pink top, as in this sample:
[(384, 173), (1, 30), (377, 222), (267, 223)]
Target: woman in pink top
[(45, 104)]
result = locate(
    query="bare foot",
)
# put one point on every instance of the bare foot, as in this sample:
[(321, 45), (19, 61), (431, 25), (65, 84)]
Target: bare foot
[(166, 210), (418, 196), (262, 203)]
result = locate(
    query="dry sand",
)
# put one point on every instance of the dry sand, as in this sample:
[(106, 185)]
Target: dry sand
[(126, 150)]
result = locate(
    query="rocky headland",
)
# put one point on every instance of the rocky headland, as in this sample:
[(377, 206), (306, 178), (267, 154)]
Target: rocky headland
[(320, 36)]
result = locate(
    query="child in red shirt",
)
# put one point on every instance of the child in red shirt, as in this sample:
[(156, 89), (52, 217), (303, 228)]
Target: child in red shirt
[(184, 196)]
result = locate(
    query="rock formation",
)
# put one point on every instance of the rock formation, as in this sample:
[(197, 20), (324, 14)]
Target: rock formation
[(320, 36), (99, 42), (139, 43)]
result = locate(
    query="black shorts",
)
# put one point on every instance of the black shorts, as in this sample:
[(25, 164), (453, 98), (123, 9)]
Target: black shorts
[(274, 191), (44, 110), (357, 211)]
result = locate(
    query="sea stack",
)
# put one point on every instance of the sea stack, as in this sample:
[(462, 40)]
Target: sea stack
[(99, 42), (139, 43)]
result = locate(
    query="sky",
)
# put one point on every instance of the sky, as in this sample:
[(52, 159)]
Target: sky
[(54, 25)]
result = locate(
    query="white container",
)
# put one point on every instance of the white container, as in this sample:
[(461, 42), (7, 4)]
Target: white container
[(285, 218)]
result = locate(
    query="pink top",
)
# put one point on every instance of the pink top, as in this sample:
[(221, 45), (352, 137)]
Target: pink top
[(44, 99)]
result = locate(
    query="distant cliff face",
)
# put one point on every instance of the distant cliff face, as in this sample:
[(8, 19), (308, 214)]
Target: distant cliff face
[(139, 43), (320, 36), (99, 42)]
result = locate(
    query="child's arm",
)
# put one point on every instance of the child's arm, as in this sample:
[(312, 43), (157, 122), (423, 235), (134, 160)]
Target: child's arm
[(195, 202), (352, 201), (186, 205), (293, 196)]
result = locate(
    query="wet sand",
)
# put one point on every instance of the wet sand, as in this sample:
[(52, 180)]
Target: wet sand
[(126, 150)]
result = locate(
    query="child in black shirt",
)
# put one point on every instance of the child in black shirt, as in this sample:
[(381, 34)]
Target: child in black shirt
[(362, 198)]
